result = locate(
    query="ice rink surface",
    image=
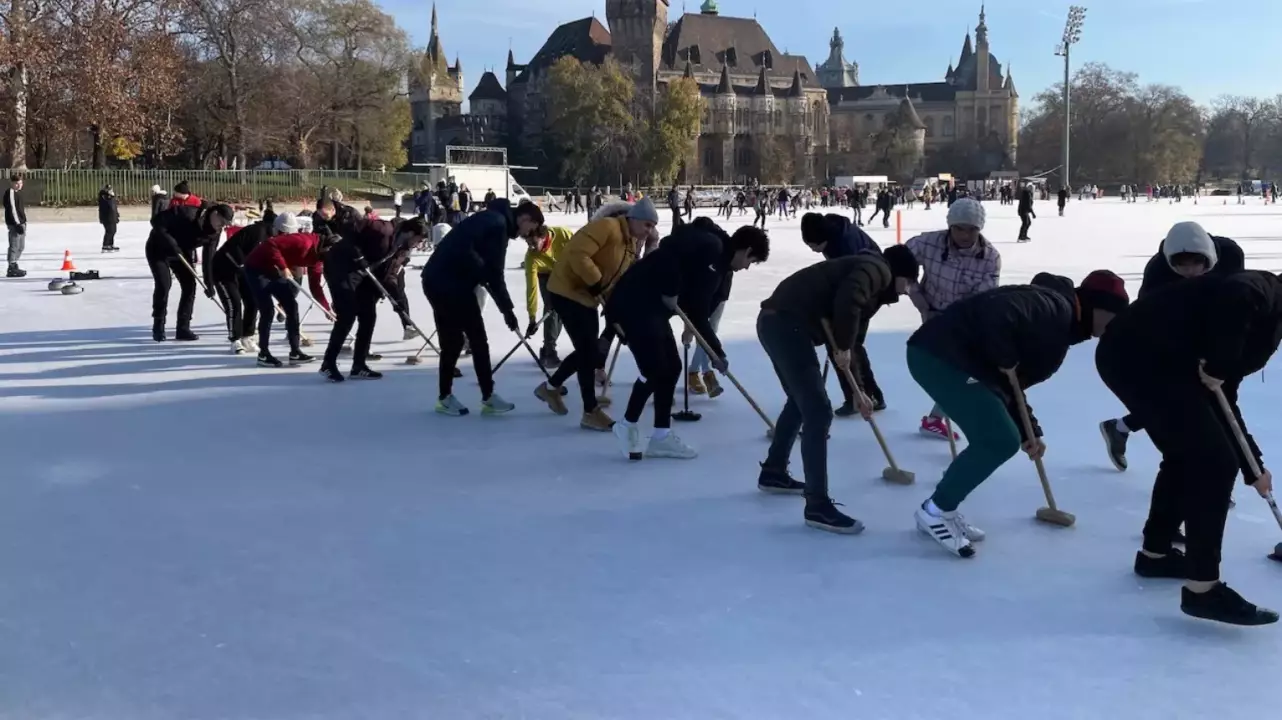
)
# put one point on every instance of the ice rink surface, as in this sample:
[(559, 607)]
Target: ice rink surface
[(186, 536)]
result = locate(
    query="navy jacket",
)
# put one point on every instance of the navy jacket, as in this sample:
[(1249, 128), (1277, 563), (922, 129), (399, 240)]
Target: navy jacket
[(473, 254), (1158, 273), (845, 238)]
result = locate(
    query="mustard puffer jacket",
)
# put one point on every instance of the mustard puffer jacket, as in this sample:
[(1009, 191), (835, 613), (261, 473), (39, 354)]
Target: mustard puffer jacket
[(597, 255)]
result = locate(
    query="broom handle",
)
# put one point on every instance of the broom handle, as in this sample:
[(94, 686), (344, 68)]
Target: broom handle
[(733, 380), (1028, 430), (1246, 448), (850, 378), (200, 281), (383, 291), (605, 386), (685, 355)]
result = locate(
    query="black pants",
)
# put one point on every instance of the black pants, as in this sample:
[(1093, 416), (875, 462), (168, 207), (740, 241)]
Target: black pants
[(581, 325), (650, 339), (397, 291), (108, 235), (163, 270), (1025, 222), (862, 370), (1199, 464), (352, 305), (792, 354), (859, 213), (239, 304), (676, 217), (1132, 423), (285, 293), (458, 318)]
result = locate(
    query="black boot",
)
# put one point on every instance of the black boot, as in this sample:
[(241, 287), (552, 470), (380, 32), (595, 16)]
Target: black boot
[(15, 271), (1170, 566), (822, 514), (185, 334), (158, 330), (1222, 604), (846, 410), (779, 482)]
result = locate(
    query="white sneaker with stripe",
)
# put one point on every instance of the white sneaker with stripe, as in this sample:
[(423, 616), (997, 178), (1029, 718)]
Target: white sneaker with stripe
[(947, 529)]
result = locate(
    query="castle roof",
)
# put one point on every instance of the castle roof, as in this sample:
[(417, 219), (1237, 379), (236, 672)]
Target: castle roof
[(907, 115), (924, 92), (710, 42), (488, 88), (586, 40)]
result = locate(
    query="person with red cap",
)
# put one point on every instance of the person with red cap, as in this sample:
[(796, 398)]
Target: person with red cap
[(971, 357), (1165, 359)]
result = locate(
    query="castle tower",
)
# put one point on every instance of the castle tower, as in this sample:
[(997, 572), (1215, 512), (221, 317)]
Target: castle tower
[(436, 91), (981, 55), (637, 28)]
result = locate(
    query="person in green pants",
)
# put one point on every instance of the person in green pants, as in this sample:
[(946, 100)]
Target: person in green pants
[(970, 358)]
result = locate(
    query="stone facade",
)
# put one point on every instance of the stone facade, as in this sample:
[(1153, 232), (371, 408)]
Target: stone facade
[(436, 98), (975, 110)]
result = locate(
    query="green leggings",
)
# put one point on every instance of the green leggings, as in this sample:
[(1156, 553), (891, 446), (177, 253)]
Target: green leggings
[(991, 435)]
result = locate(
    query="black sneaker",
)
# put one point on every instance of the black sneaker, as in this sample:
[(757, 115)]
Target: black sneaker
[(1114, 443), (1171, 566), (822, 514), (366, 374), (1222, 604), (847, 409), (779, 482), (185, 335), (298, 357), (878, 404), (331, 373), (158, 333), (458, 373), (1179, 538), (550, 359), (373, 357), (267, 360)]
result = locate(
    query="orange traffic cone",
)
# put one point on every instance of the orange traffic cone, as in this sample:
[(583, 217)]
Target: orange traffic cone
[(67, 265)]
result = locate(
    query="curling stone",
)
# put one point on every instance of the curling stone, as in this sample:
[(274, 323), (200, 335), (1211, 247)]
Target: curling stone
[(57, 284), (72, 289)]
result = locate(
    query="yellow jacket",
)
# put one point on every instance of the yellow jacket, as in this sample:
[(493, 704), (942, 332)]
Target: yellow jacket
[(540, 261), (598, 254)]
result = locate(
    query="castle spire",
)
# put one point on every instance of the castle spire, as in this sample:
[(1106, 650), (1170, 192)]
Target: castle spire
[(724, 87), (433, 18), (981, 30)]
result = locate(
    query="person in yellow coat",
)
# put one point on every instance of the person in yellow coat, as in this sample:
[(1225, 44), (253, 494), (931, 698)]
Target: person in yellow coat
[(540, 258), (584, 273)]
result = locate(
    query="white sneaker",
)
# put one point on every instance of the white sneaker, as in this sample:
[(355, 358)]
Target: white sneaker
[(250, 344), (670, 446), (496, 405), (451, 406), (410, 334), (971, 532), (237, 347), (629, 437), (946, 531)]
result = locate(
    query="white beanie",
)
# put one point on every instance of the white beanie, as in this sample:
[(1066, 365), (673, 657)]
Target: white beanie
[(439, 231), (286, 223), (1189, 237), (967, 211), (155, 190)]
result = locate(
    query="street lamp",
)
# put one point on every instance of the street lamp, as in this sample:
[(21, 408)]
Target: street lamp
[(1072, 34)]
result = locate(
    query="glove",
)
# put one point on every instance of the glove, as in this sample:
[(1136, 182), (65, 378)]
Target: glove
[(720, 364), (209, 291), (532, 328), (509, 317), (670, 302)]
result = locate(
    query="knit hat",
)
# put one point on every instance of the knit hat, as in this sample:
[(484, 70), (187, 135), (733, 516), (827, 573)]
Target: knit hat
[(644, 211), (967, 211), (902, 262), (182, 188), (1189, 237), (155, 190), (812, 227), (1103, 290), (286, 223)]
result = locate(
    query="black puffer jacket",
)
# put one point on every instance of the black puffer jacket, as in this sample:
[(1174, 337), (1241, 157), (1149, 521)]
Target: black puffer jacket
[(1158, 273), (689, 265), (1027, 327), (1233, 322), (108, 211), (181, 230), (370, 241), (474, 254), (846, 292), (230, 257)]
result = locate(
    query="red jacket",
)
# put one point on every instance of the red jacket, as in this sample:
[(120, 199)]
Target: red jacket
[(191, 201), (282, 252)]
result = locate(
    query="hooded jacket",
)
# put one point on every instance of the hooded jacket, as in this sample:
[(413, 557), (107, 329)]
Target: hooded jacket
[(1225, 256), (846, 292), (108, 212), (689, 265), (282, 252), (1233, 322), (1027, 327), (473, 254), (593, 261)]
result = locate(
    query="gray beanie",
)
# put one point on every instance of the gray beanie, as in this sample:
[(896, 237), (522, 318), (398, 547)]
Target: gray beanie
[(644, 211), (1189, 237), (967, 211)]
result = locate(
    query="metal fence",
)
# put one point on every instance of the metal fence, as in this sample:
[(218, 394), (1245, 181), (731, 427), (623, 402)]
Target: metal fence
[(69, 188)]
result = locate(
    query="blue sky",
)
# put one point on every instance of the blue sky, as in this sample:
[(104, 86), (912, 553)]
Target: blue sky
[(1208, 48)]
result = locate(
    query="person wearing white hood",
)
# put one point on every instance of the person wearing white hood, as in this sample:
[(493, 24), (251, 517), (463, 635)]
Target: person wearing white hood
[(159, 199), (1187, 251)]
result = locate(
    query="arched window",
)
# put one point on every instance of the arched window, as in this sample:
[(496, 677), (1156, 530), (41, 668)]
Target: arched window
[(949, 128)]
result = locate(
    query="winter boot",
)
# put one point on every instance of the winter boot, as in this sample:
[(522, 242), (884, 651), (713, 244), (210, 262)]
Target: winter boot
[(1171, 565), (450, 405), (364, 373), (184, 334), (935, 427), (712, 384), (694, 381), (668, 445), (629, 437), (822, 514), (298, 357), (496, 405), (15, 271), (1222, 604), (331, 373), (158, 331), (779, 482), (267, 360), (552, 397), (596, 421), (549, 358), (1114, 443), (946, 529)]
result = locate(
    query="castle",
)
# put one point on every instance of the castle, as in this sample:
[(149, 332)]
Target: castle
[(764, 109)]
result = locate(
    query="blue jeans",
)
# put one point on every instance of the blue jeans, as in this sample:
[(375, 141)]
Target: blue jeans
[(700, 362), (792, 353)]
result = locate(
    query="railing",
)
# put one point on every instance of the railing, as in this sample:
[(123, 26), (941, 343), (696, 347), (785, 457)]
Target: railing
[(66, 188)]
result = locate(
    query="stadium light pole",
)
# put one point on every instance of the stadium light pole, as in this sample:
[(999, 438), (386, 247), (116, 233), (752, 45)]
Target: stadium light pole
[(1072, 34)]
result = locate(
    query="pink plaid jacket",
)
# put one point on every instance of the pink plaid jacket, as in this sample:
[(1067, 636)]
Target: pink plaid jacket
[(950, 273)]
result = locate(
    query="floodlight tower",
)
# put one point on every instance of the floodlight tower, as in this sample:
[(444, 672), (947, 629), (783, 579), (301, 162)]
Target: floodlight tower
[(1072, 34)]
